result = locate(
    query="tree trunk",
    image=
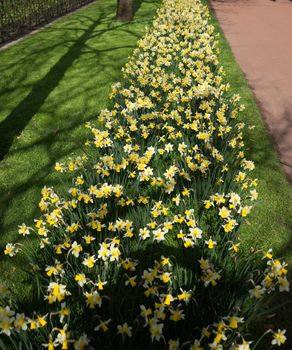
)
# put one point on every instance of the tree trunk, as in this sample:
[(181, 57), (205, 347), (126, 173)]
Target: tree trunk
[(125, 10)]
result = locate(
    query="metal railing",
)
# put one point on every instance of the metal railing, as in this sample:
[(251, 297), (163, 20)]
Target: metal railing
[(18, 17)]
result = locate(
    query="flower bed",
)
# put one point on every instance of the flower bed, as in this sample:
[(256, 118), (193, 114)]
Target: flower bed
[(143, 251)]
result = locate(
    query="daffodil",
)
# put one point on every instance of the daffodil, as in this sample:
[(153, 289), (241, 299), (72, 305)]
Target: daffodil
[(279, 337), (89, 261), (92, 299), (124, 329), (156, 330), (24, 230), (103, 325), (11, 249)]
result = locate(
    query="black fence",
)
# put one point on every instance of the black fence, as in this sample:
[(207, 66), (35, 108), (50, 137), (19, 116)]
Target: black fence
[(18, 17)]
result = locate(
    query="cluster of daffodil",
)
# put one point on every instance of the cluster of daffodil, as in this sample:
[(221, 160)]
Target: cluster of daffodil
[(144, 248)]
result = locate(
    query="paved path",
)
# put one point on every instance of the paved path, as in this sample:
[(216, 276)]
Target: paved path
[(260, 35)]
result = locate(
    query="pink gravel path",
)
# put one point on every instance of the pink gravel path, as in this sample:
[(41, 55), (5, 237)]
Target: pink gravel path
[(260, 35)]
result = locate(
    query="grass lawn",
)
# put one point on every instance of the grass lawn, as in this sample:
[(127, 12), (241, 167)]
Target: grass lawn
[(51, 84), (271, 221), (270, 224)]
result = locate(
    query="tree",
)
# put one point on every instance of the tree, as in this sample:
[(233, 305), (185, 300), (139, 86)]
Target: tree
[(125, 10)]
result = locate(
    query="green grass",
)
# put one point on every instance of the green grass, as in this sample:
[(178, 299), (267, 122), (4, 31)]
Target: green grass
[(270, 224), (51, 84), (271, 221)]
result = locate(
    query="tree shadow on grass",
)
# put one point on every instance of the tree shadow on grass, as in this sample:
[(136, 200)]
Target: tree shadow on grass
[(16, 121), (84, 38), (136, 6), (21, 115)]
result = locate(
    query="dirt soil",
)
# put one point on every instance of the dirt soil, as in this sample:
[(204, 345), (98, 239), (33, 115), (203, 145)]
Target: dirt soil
[(260, 35)]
